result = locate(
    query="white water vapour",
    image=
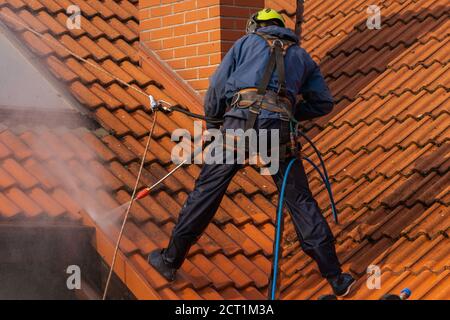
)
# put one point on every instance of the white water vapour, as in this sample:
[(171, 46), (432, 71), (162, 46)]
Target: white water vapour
[(32, 101)]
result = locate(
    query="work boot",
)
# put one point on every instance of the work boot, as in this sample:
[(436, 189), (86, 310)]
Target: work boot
[(155, 259), (341, 284)]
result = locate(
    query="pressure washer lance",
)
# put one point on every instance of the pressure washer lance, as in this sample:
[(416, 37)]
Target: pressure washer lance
[(145, 192)]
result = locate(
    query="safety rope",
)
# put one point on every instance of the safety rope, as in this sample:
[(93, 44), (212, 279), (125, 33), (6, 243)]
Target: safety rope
[(116, 249)]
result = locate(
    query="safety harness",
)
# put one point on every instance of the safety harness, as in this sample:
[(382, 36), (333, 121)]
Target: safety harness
[(259, 98)]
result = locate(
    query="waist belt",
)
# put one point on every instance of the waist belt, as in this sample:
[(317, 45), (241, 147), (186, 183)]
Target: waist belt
[(271, 101)]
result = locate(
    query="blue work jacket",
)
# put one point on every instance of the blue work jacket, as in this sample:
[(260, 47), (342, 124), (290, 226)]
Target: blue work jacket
[(243, 67)]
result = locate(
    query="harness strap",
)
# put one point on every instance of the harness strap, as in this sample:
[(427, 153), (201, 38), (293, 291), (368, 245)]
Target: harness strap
[(255, 108), (280, 70), (278, 50)]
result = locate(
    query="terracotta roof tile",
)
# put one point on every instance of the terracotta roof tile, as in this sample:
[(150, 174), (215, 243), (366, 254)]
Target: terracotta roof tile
[(84, 95), (6, 180), (11, 143), (22, 176), (385, 144), (119, 149), (4, 151), (8, 208), (46, 179), (20, 199), (51, 207), (115, 52)]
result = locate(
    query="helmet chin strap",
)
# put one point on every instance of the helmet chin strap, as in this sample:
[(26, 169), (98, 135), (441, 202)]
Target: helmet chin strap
[(252, 24)]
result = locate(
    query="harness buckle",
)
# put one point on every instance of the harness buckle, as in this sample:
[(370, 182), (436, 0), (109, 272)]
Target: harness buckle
[(236, 98), (279, 42), (254, 109), (284, 116)]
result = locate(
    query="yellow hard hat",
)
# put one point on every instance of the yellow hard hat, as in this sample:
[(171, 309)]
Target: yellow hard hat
[(269, 14)]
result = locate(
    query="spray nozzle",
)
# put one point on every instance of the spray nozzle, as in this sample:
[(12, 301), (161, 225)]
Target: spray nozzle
[(142, 194)]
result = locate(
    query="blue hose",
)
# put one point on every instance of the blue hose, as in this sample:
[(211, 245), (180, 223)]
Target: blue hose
[(326, 181), (327, 186), (324, 175), (278, 230)]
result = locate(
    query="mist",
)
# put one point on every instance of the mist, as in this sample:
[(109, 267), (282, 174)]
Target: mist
[(37, 113)]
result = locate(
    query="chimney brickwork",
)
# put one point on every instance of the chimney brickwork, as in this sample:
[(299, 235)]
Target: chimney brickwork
[(192, 36)]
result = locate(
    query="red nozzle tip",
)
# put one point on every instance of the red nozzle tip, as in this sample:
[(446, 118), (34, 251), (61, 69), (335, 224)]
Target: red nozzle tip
[(142, 194)]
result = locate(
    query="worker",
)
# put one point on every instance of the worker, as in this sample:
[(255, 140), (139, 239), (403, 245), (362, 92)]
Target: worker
[(248, 95)]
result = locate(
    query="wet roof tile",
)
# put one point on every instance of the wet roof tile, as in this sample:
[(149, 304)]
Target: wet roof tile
[(385, 145)]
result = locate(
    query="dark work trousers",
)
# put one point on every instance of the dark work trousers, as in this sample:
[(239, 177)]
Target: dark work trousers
[(312, 229)]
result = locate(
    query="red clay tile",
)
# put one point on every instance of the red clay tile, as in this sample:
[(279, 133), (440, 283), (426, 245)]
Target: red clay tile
[(129, 103), (46, 179), (14, 145), (115, 52), (137, 129), (219, 279), (60, 70), (228, 246), (119, 149), (101, 150), (50, 23), (155, 279), (209, 294), (144, 243), (50, 207), (108, 120), (22, 176), (33, 22), (387, 133), (105, 28), (4, 151), (77, 146), (259, 277), (192, 273), (104, 175), (138, 149), (123, 174), (84, 95), (21, 200), (258, 216), (241, 279), (7, 208), (189, 294), (231, 293), (140, 77), (124, 30), (65, 200), (247, 243), (6, 180)]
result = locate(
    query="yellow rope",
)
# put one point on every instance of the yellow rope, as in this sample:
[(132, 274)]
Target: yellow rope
[(129, 205)]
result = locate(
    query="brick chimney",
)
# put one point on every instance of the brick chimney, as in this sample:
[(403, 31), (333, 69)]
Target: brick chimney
[(192, 36)]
